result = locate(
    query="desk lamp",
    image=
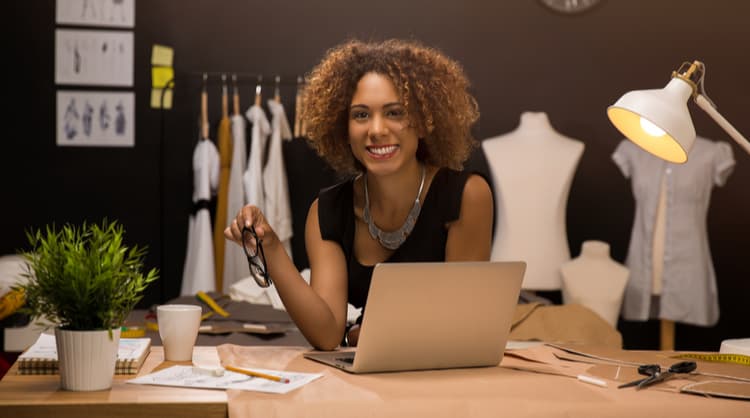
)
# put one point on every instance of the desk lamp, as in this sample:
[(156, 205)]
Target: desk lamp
[(658, 120)]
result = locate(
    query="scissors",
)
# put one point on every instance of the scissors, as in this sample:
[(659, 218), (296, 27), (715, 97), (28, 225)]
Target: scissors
[(654, 374)]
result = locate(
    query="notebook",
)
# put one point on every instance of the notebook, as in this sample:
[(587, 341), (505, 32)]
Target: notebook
[(433, 316), (41, 357)]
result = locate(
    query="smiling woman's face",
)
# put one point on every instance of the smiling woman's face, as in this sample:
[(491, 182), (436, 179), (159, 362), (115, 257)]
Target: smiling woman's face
[(379, 133)]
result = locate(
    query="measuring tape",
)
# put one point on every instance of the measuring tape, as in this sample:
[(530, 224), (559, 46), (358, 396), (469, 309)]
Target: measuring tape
[(717, 357)]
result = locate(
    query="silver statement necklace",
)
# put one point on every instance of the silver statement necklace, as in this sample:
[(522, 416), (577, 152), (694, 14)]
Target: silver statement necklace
[(393, 240)]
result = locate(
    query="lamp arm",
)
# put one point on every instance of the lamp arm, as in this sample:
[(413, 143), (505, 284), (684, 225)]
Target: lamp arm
[(706, 105)]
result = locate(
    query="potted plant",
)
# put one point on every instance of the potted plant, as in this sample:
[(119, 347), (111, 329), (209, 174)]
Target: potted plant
[(86, 281)]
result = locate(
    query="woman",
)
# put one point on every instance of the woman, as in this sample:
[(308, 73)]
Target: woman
[(396, 117)]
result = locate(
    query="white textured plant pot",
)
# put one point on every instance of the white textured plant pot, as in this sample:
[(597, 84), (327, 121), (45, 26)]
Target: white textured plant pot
[(87, 358)]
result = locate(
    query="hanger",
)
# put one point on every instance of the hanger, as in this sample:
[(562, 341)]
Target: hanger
[(276, 91), (204, 108), (298, 108), (224, 96), (257, 90), (235, 96), (302, 124)]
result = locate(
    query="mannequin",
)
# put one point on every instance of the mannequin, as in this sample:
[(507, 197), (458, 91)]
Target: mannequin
[(532, 168), (595, 281), (669, 255), (666, 331)]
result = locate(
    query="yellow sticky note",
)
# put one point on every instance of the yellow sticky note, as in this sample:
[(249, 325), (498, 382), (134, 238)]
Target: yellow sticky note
[(162, 55), (156, 99), (160, 76)]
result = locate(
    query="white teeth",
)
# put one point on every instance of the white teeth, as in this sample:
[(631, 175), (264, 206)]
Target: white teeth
[(382, 150)]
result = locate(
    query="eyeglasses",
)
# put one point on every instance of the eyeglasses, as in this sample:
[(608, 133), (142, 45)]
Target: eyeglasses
[(256, 259)]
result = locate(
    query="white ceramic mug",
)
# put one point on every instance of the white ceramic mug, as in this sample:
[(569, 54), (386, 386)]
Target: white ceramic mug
[(178, 329)]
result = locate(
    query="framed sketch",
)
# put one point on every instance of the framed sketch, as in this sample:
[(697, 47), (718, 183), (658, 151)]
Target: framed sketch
[(94, 57), (113, 13), (93, 118)]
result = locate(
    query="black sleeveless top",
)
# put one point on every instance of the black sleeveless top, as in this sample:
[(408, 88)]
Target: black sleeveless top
[(442, 204)]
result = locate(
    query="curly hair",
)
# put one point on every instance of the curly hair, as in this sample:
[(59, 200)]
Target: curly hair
[(432, 87)]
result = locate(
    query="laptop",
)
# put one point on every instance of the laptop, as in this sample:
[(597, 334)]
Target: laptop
[(424, 316)]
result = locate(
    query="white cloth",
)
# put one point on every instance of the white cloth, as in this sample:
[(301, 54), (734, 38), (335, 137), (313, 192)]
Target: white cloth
[(249, 291), (235, 261), (252, 179), (12, 269), (198, 273), (278, 210)]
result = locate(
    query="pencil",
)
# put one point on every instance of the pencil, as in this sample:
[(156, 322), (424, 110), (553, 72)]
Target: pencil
[(257, 374)]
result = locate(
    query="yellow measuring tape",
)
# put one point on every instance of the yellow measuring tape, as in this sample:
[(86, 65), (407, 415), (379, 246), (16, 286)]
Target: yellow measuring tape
[(212, 303), (717, 357)]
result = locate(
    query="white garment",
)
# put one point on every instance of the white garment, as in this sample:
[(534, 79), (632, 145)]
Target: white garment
[(689, 292), (278, 210), (249, 291), (235, 261), (253, 177), (532, 169), (198, 273)]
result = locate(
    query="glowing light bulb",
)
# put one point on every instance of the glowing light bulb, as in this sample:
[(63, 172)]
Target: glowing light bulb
[(651, 128)]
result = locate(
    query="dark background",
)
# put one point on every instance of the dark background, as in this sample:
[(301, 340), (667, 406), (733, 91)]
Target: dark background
[(519, 56)]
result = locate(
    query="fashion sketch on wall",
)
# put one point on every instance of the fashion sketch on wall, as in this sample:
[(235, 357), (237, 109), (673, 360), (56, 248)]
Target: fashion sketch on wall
[(104, 119), (88, 57), (113, 13)]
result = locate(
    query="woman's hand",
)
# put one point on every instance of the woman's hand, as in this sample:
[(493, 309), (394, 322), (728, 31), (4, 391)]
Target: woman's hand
[(352, 335), (251, 215)]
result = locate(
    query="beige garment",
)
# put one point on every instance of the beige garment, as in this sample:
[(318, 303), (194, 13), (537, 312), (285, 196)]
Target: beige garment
[(224, 139), (570, 323)]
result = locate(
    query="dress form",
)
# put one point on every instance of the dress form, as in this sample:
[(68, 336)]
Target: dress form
[(666, 332), (595, 281), (532, 168), (669, 254)]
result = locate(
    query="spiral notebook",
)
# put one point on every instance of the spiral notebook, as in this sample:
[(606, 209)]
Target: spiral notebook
[(41, 357)]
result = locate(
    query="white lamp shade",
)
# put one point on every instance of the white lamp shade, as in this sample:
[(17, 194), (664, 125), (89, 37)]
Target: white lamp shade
[(657, 120)]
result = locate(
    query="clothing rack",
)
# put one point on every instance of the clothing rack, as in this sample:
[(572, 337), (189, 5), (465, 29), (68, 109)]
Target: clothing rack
[(205, 79)]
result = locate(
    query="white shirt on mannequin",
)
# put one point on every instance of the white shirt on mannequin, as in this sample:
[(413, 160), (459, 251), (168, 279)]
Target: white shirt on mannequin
[(532, 168), (595, 281)]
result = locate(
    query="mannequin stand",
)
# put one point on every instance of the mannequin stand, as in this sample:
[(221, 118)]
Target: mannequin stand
[(667, 335)]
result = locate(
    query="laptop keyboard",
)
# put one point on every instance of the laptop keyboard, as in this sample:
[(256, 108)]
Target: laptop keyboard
[(349, 360)]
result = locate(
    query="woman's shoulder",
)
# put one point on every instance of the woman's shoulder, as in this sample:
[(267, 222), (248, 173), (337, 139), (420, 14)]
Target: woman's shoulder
[(333, 195), (334, 205), (449, 178)]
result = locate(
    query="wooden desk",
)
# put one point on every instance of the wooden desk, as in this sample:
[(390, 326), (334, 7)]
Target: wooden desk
[(41, 396), (483, 392)]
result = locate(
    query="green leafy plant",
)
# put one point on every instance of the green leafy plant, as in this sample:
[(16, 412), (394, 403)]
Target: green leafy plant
[(83, 277)]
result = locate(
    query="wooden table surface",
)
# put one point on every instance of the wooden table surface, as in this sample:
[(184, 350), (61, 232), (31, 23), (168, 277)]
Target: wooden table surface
[(41, 396)]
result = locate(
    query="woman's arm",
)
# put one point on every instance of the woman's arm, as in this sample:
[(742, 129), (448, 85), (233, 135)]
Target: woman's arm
[(318, 310), (470, 236)]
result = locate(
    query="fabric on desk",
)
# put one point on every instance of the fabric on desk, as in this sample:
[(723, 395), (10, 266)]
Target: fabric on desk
[(562, 323), (238, 310), (724, 379), (473, 392)]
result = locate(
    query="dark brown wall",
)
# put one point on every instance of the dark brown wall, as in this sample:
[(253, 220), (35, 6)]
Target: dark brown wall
[(519, 56)]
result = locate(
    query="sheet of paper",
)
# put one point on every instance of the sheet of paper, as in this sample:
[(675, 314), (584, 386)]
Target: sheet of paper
[(162, 55), (160, 76), (156, 99), (194, 377)]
